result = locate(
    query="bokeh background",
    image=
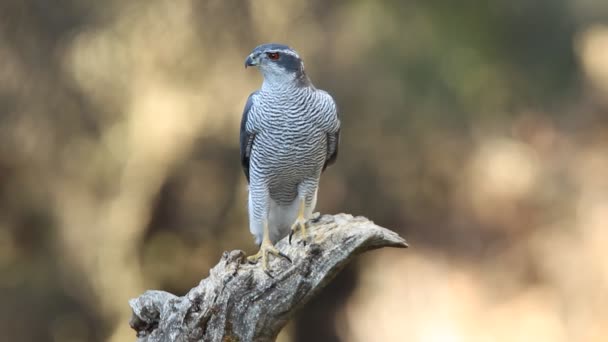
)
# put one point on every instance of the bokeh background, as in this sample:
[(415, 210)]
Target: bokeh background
[(477, 129)]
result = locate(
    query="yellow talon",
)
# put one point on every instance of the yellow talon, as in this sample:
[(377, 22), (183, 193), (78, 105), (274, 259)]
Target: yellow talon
[(266, 248), (300, 223)]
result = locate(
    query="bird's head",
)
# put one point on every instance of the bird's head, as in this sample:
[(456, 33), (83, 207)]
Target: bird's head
[(278, 63)]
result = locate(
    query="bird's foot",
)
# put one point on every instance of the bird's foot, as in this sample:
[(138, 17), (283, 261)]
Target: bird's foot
[(266, 249), (301, 224)]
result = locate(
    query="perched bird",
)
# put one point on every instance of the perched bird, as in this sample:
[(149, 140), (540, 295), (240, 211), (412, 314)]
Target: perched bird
[(289, 134)]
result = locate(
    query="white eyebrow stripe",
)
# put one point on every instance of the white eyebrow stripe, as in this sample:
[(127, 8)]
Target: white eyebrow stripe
[(288, 52)]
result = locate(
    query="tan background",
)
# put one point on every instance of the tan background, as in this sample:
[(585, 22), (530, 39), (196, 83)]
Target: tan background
[(479, 130)]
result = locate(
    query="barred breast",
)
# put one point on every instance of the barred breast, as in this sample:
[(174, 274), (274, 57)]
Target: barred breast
[(290, 144)]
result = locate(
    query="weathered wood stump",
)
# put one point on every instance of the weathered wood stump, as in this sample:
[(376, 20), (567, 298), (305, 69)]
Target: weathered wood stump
[(239, 302)]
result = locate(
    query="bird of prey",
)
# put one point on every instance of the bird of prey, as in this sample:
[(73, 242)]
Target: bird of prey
[(290, 132)]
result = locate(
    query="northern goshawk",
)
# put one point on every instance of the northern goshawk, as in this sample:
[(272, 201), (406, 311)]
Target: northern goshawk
[(289, 134)]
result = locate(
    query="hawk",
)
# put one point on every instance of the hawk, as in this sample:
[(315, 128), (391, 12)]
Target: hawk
[(290, 132)]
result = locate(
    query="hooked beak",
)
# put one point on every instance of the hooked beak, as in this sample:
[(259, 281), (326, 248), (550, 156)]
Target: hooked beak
[(251, 61)]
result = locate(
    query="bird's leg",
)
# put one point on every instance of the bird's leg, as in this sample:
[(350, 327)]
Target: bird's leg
[(266, 248), (300, 223)]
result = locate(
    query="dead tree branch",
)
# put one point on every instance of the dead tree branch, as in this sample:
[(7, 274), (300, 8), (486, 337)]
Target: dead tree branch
[(239, 302)]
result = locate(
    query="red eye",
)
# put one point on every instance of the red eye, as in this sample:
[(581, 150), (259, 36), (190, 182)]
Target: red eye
[(273, 55)]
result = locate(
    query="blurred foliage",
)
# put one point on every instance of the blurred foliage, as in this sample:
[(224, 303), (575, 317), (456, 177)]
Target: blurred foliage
[(478, 130)]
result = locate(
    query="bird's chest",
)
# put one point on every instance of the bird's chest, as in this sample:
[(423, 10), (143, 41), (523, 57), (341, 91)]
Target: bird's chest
[(291, 128), (289, 125), (288, 140)]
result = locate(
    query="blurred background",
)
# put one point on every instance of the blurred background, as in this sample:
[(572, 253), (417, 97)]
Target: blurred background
[(478, 130)]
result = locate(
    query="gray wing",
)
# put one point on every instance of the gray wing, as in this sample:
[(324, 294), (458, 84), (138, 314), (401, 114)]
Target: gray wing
[(333, 142), (246, 138)]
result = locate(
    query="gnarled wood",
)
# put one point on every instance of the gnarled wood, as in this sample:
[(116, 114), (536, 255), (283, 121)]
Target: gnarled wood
[(239, 302)]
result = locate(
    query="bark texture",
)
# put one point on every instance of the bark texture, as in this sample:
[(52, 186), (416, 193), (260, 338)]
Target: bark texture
[(240, 302)]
